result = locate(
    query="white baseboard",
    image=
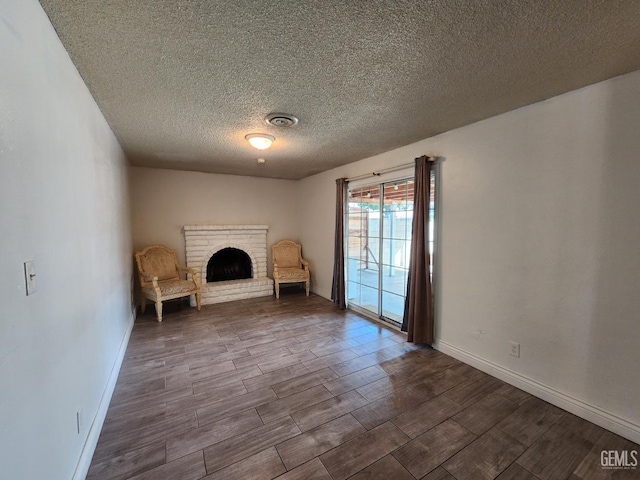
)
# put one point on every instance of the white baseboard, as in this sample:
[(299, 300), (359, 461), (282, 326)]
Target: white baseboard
[(82, 468), (323, 293), (597, 415)]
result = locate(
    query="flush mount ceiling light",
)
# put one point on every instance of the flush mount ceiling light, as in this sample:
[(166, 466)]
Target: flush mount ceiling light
[(260, 140), (281, 120)]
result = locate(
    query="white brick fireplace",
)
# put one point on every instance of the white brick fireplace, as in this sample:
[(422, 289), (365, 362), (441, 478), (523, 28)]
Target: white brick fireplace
[(203, 241)]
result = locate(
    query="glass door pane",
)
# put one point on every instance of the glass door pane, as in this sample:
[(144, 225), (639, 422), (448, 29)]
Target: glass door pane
[(396, 247), (380, 219), (363, 248)]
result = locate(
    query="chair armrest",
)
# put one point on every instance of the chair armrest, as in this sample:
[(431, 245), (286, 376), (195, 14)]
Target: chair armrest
[(150, 278), (153, 279), (305, 264), (190, 271)]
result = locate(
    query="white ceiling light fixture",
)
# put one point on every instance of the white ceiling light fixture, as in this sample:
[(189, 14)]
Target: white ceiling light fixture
[(261, 141), (261, 160)]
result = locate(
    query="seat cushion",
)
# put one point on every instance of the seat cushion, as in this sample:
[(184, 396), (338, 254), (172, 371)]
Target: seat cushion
[(173, 287), (292, 274)]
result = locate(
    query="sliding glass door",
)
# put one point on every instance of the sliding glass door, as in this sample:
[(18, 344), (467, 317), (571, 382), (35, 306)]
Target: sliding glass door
[(378, 247)]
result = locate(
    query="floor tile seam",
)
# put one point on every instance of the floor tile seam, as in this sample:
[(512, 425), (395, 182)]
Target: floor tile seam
[(232, 413), (595, 444), (144, 439), (275, 447), (594, 447), (464, 409), (249, 365), (158, 466), (138, 447), (316, 428), (132, 412), (456, 386), (133, 382), (119, 424), (218, 442), (232, 436), (148, 370), (572, 432), (540, 434), (394, 417), (290, 414), (477, 439), (132, 400), (450, 417), (333, 353), (364, 433), (389, 395), (149, 357), (529, 471), (238, 435), (446, 459), (440, 394), (371, 342), (300, 391)]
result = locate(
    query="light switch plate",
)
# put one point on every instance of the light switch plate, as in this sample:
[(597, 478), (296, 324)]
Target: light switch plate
[(30, 277)]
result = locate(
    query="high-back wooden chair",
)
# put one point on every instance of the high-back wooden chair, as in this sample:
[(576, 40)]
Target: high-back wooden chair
[(288, 265), (160, 280)]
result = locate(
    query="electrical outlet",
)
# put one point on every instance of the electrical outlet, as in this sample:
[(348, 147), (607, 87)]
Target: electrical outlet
[(514, 349), (79, 420)]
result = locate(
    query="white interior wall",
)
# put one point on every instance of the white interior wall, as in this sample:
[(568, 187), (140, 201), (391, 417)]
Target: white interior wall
[(63, 204), (164, 201), (539, 245)]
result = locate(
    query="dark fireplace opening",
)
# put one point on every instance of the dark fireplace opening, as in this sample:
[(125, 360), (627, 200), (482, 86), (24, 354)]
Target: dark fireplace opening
[(228, 264)]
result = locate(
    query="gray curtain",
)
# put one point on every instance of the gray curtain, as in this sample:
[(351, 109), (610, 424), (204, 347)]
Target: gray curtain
[(338, 287), (419, 312)]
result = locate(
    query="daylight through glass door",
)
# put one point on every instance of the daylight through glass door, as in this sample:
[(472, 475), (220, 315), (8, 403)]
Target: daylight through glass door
[(378, 247)]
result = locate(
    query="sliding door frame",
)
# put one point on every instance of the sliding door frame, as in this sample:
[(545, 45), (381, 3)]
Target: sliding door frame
[(404, 177)]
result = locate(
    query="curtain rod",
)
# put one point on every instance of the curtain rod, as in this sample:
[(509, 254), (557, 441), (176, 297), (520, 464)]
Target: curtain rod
[(377, 173)]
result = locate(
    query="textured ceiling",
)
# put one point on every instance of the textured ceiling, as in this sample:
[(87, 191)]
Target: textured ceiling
[(181, 82)]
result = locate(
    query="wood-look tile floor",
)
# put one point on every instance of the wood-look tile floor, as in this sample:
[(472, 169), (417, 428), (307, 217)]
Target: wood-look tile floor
[(296, 389)]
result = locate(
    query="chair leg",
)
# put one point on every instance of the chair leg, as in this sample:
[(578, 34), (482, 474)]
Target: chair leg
[(159, 310), (143, 304), (277, 290), (307, 288), (198, 301)]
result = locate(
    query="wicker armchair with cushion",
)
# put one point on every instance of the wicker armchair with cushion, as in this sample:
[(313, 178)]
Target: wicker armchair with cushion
[(160, 280)]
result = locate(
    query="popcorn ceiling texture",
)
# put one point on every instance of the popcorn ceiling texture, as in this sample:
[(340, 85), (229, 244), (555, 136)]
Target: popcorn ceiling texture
[(182, 82)]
